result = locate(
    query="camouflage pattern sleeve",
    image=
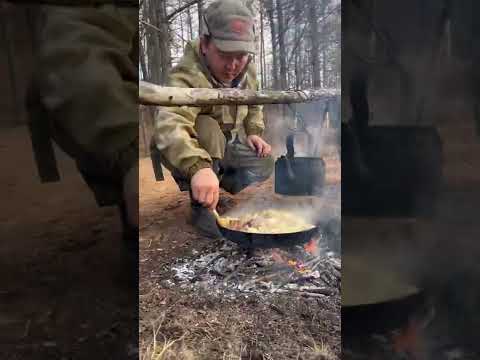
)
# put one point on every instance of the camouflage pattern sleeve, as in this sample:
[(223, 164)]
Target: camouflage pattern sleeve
[(254, 124), (175, 134), (88, 83)]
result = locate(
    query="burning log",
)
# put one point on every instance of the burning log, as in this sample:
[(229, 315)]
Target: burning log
[(313, 295), (336, 264), (277, 309), (151, 94), (317, 290), (310, 289)]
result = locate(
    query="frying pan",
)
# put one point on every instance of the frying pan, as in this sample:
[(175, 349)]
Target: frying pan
[(386, 300), (250, 240)]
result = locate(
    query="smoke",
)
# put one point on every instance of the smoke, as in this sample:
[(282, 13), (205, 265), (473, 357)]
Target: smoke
[(322, 209), (439, 253)]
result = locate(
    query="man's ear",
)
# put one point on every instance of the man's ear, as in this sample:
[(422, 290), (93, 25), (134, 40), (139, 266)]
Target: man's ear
[(203, 45)]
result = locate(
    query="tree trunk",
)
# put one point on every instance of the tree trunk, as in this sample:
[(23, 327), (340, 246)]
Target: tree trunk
[(164, 40), (151, 94), (314, 36), (273, 31), (325, 78), (297, 16), (200, 16), (281, 46), (181, 31), (262, 51), (153, 44), (143, 64), (190, 27)]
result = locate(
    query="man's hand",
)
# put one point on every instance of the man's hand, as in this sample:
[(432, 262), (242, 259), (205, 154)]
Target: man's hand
[(259, 145), (205, 188)]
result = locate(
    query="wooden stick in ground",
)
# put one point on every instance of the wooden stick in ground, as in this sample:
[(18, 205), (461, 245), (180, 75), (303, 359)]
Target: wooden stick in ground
[(151, 94)]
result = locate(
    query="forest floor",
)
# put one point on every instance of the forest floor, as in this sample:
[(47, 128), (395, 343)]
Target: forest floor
[(64, 292), (181, 322)]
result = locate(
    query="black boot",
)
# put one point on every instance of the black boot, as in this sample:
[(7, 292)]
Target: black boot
[(131, 245), (204, 220)]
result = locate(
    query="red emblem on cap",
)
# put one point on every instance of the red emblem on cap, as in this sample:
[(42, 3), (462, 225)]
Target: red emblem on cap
[(239, 27)]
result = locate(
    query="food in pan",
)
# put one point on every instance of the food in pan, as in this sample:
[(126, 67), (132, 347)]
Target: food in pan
[(271, 221), (365, 282)]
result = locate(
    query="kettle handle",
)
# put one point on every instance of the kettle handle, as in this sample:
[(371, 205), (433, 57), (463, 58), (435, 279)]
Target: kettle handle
[(290, 155), (290, 146), (289, 142)]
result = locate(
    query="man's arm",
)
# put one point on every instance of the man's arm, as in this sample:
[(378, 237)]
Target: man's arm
[(177, 140), (253, 123), (88, 85), (175, 133)]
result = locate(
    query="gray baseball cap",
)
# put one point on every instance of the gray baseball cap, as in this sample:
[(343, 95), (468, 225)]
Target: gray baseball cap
[(230, 25)]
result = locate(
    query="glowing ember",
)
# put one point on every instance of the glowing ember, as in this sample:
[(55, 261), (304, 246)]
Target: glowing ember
[(297, 265), (303, 270), (277, 257), (408, 340), (312, 247)]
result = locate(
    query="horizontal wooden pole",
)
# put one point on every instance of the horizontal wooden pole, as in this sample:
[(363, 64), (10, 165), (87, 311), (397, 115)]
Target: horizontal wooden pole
[(80, 3), (151, 94)]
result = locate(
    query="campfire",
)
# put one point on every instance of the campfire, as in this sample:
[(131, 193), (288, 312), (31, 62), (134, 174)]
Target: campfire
[(308, 270), (424, 336)]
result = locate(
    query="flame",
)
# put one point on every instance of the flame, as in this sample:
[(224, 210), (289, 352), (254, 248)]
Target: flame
[(295, 264), (311, 247), (408, 340)]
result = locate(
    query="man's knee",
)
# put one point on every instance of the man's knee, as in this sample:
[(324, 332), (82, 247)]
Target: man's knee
[(210, 136), (237, 179), (264, 169)]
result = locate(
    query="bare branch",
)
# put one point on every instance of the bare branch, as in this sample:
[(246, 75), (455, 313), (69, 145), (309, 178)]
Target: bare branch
[(150, 25), (180, 9)]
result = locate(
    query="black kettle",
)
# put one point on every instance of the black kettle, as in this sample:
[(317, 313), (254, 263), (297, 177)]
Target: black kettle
[(298, 176)]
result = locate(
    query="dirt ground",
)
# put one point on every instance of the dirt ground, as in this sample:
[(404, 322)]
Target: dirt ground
[(65, 291), (180, 324)]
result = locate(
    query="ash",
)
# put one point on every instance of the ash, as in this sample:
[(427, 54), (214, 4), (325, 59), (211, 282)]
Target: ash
[(232, 272)]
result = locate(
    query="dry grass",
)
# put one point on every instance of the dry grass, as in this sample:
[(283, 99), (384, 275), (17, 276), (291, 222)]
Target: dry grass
[(199, 329), (199, 339), (162, 349), (321, 351)]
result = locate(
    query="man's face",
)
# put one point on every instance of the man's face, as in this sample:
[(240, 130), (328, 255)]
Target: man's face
[(225, 66)]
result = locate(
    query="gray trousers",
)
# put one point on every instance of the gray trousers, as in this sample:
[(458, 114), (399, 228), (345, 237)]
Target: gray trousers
[(235, 163)]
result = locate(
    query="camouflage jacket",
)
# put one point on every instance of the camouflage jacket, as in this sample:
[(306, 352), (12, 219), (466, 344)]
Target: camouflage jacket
[(84, 91), (174, 126)]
